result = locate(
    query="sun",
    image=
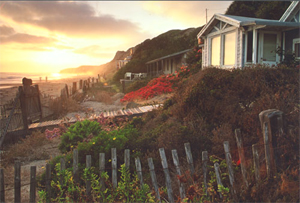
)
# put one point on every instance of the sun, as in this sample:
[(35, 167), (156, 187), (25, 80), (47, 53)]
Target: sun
[(56, 75)]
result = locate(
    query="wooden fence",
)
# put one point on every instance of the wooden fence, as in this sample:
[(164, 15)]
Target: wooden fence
[(267, 120)]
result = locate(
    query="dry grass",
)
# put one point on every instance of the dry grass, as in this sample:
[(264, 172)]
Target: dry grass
[(102, 96), (61, 106), (26, 150)]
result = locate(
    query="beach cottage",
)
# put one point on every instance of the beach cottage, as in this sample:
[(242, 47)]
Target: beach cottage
[(236, 41), (167, 64)]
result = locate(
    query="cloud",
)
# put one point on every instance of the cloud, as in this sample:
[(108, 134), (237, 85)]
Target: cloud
[(26, 39), (70, 18), (5, 30), (95, 51)]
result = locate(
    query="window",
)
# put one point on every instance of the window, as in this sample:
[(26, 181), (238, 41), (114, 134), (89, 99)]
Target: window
[(229, 49), (249, 47), (215, 51), (296, 47)]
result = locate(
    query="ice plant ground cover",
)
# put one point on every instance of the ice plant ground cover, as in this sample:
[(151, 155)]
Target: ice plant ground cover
[(157, 86)]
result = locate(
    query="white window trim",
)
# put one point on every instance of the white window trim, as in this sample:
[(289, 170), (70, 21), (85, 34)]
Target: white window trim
[(260, 48), (222, 36), (296, 41)]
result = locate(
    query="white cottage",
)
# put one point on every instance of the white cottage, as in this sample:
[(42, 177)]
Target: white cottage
[(235, 41)]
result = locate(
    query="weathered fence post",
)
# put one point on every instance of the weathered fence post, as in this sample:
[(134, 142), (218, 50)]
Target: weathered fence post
[(177, 166), (271, 123), (218, 176), (256, 162), (114, 167), (229, 164), (32, 184), (153, 178), (2, 186), (204, 167), (48, 182), (167, 174), (88, 181), (241, 152), (23, 107), (102, 169), (75, 165), (127, 158), (139, 171), (67, 90), (189, 157), (74, 87), (17, 181), (80, 84), (62, 168)]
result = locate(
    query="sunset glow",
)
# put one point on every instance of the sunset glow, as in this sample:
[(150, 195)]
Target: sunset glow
[(43, 36)]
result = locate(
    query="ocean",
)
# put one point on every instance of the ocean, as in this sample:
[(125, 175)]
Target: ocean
[(8, 80)]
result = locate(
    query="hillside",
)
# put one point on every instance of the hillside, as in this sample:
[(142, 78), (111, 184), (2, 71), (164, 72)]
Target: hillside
[(162, 45)]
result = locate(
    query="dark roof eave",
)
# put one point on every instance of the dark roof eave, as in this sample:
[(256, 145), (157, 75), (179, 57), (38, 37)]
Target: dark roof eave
[(168, 56)]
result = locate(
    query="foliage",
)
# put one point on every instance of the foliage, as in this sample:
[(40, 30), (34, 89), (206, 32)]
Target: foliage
[(272, 10), (77, 133), (137, 85), (65, 189)]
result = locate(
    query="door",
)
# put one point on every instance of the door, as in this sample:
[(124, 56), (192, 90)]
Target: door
[(268, 42)]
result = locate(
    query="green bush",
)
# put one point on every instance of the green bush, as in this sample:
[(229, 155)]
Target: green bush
[(77, 133)]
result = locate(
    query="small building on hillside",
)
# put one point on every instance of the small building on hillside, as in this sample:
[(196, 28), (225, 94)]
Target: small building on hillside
[(236, 41), (167, 64), (123, 62)]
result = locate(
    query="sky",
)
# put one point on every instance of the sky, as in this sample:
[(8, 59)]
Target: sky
[(41, 36)]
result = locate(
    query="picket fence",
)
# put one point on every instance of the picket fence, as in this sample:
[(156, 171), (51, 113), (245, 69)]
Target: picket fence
[(265, 117)]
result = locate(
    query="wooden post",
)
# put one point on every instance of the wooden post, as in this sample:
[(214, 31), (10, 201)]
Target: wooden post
[(139, 170), (2, 186), (167, 174), (229, 164), (271, 123), (97, 81), (23, 107), (153, 178), (256, 162), (177, 166), (88, 181), (62, 168), (123, 86), (114, 167), (39, 101), (67, 90), (189, 157), (80, 84), (102, 169), (241, 152), (74, 88), (204, 167), (17, 181), (32, 184), (75, 165), (127, 159), (218, 176), (93, 79), (46, 79), (48, 182)]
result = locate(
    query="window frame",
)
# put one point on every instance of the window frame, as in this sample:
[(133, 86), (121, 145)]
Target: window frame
[(296, 41)]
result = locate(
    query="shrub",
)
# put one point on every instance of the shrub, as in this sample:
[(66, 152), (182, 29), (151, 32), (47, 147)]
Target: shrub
[(77, 133)]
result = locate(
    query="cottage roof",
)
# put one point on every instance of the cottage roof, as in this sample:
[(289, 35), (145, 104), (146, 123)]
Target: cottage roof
[(169, 56), (240, 21), (290, 12)]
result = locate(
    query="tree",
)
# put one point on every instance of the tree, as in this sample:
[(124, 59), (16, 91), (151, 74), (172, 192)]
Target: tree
[(272, 10)]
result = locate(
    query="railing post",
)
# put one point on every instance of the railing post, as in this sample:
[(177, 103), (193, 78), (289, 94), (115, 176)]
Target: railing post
[(102, 169), (2, 186), (17, 181), (139, 171), (167, 174), (256, 162), (177, 166), (218, 176), (32, 184), (189, 157), (204, 167), (241, 152), (229, 164), (127, 159), (48, 182), (114, 167), (88, 181), (75, 165), (153, 178)]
